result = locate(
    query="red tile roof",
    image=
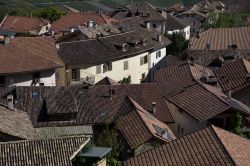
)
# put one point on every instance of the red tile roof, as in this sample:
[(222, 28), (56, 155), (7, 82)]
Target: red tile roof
[(209, 146), (106, 81), (222, 38), (138, 125), (233, 76), (181, 84), (22, 24), (74, 19), (26, 54)]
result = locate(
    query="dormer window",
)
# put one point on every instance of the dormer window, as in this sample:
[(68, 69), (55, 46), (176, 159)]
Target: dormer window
[(34, 94), (125, 47)]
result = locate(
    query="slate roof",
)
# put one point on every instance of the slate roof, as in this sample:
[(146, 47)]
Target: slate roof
[(195, 10), (138, 125), (108, 49), (21, 24), (233, 76), (174, 23), (75, 19), (222, 38), (139, 9), (106, 81), (26, 54), (56, 152), (209, 146), (181, 83), (16, 123), (91, 106)]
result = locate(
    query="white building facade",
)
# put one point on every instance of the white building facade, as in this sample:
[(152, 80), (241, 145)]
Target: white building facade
[(185, 32), (137, 67)]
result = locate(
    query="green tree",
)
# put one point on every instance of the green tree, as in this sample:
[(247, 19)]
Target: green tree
[(109, 137), (49, 13), (238, 124), (125, 80), (179, 44)]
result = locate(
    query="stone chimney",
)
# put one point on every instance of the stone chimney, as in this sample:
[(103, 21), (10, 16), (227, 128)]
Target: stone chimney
[(10, 102), (153, 111), (91, 24), (159, 38), (148, 25)]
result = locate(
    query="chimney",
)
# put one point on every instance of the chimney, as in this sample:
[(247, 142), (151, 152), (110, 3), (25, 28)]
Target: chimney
[(6, 40), (230, 94), (72, 30), (153, 111), (159, 38), (52, 33), (10, 102), (91, 24), (148, 25)]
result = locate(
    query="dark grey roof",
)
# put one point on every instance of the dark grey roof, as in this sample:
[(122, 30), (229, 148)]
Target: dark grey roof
[(60, 106), (174, 23), (106, 49), (96, 152), (56, 152)]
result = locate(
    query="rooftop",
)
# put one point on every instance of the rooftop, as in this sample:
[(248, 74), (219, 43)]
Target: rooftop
[(20, 24), (208, 146)]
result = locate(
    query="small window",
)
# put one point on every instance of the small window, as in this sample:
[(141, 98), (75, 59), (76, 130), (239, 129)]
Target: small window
[(143, 60), (75, 74), (125, 65), (143, 76), (179, 128), (2, 81), (36, 78), (182, 130), (154, 25), (34, 94), (158, 54), (98, 69), (107, 67)]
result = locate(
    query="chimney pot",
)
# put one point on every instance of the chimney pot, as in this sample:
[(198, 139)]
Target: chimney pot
[(6, 40), (148, 25), (159, 38), (10, 102)]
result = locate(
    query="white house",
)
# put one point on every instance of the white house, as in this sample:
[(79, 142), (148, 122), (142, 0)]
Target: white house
[(117, 56), (31, 61)]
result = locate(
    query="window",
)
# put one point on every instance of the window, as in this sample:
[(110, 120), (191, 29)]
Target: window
[(179, 128), (2, 81), (143, 76), (75, 74), (125, 65), (36, 78), (158, 54), (107, 67), (154, 25), (34, 94), (98, 69), (144, 60)]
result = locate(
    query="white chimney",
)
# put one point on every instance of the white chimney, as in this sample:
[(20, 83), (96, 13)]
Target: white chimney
[(10, 102), (72, 30), (159, 38), (91, 24), (148, 25), (52, 33), (230, 94)]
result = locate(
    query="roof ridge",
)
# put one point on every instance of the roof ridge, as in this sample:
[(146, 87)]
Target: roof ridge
[(221, 143), (20, 46), (44, 139)]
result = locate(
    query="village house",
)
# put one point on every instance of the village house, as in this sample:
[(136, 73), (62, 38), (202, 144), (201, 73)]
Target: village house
[(140, 129), (59, 151), (72, 20), (208, 146), (28, 61), (195, 100), (234, 77), (126, 54), (25, 25), (223, 44)]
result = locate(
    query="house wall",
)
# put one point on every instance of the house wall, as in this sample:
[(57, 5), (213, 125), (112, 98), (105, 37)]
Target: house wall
[(185, 31), (135, 70), (150, 144), (195, 22), (44, 29), (243, 96), (186, 123), (47, 77)]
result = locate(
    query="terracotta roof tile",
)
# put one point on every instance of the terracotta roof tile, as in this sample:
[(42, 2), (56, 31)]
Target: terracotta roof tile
[(22, 24), (28, 54), (222, 38), (75, 19), (138, 125), (56, 152), (106, 81), (233, 76), (209, 146)]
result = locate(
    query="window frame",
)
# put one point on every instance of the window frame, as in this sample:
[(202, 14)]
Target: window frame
[(125, 65)]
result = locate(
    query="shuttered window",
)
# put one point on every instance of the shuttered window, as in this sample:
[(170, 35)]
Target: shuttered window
[(125, 65), (98, 69)]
